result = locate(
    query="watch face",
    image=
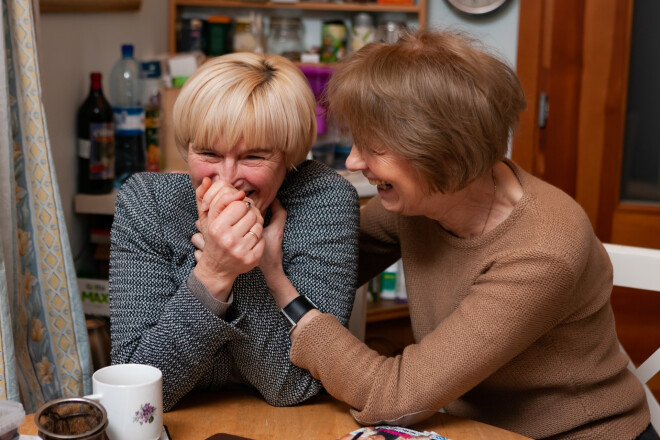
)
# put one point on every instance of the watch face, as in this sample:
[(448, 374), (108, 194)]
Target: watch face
[(476, 6)]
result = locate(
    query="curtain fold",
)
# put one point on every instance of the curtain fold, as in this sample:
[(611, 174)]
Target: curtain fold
[(45, 350)]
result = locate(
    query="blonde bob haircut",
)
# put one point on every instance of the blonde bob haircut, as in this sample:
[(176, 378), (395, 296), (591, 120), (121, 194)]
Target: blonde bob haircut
[(437, 99), (263, 100)]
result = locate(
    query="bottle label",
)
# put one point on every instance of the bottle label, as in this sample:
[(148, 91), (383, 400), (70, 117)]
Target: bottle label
[(362, 35), (129, 121), (101, 151), (84, 147), (152, 124)]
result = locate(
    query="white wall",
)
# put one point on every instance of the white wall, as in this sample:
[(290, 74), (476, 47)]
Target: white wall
[(498, 29), (70, 46)]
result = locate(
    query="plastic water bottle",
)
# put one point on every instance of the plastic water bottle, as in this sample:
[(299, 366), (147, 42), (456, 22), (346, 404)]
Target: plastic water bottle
[(126, 99)]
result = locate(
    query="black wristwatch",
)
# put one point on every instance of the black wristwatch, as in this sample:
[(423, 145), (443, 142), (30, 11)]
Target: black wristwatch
[(296, 309)]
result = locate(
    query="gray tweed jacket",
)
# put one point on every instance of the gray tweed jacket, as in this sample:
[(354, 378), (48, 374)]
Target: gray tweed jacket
[(157, 320)]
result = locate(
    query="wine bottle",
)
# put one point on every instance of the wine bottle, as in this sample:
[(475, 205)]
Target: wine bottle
[(96, 141)]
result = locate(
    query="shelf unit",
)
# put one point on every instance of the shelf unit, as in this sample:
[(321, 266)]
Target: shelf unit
[(386, 309), (177, 7)]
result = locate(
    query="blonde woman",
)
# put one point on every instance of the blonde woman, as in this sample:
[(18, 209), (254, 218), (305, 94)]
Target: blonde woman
[(245, 123)]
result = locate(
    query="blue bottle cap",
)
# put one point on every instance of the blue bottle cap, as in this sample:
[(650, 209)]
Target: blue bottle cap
[(127, 51)]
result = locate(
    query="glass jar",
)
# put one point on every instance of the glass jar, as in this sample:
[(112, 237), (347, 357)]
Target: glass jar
[(363, 31), (333, 41), (244, 37), (390, 31), (286, 37)]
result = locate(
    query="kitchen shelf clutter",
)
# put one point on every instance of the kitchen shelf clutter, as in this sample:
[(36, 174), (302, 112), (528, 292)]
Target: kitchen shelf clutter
[(312, 15)]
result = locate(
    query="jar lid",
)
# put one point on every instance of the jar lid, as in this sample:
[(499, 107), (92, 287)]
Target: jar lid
[(363, 19), (219, 19)]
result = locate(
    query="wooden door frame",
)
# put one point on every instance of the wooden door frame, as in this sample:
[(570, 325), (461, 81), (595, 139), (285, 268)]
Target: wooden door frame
[(594, 145)]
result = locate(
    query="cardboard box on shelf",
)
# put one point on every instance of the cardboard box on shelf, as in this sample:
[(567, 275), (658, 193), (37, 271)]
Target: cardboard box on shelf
[(95, 294)]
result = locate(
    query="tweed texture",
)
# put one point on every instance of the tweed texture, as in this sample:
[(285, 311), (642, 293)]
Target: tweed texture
[(513, 328), (157, 320)]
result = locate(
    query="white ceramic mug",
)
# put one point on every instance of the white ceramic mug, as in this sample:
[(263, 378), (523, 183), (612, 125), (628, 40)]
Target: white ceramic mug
[(132, 395)]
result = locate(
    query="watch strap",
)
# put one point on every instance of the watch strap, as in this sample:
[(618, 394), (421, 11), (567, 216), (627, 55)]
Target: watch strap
[(296, 309)]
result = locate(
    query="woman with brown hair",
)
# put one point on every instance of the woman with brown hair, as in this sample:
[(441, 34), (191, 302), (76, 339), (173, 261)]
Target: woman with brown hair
[(508, 286)]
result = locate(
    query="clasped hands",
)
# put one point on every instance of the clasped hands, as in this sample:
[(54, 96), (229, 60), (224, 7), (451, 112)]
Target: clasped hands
[(232, 239)]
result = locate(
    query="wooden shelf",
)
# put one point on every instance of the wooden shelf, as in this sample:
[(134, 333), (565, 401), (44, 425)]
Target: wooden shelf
[(50, 6), (103, 204), (386, 309), (309, 6), (177, 6)]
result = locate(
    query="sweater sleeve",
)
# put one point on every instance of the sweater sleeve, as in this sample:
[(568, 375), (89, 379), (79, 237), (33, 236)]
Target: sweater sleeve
[(155, 319), (320, 259), (509, 307), (379, 241)]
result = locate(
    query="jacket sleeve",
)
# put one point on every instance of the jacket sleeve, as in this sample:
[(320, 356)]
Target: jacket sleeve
[(320, 259), (155, 319)]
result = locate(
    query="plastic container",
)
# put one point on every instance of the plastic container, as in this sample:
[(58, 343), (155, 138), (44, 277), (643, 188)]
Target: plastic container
[(12, 416), (388, 282), (126, 99)]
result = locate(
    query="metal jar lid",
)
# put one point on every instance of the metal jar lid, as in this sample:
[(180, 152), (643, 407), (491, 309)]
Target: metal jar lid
[(71, 411), (363, 19)]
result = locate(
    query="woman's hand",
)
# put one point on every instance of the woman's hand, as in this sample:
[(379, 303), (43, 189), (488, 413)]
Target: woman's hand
[(231, 240), (271, 262)]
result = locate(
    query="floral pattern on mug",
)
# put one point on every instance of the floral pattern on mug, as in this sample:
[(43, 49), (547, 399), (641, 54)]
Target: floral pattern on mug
[(145, 414)]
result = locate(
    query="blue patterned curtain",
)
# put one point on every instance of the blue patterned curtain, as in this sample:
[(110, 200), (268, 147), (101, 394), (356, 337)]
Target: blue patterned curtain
[(44, 350)]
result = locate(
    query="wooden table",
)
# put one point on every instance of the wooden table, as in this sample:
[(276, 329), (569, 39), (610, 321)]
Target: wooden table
[(200, 415)]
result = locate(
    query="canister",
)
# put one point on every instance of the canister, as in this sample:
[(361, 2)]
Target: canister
[(333, 41), (219, 38), (363, 31)]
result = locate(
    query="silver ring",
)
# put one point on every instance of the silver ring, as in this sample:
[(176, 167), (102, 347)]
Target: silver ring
[(253, 234), (248, 204)]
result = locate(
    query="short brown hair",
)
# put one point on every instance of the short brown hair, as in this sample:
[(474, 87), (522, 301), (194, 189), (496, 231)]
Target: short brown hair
[(263, 100), (437, 99)]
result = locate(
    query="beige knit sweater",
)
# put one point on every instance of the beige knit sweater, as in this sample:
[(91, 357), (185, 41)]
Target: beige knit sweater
[(513, 328)]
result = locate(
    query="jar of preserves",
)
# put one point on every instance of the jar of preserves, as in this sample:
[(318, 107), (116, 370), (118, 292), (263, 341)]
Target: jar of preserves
[(244, 39)]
